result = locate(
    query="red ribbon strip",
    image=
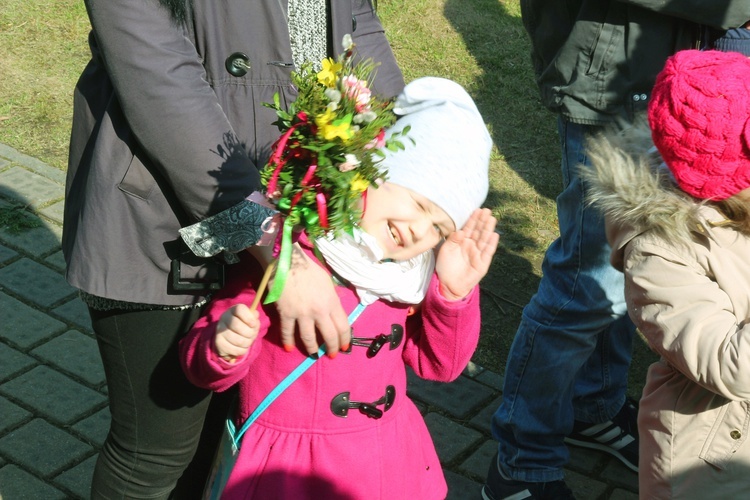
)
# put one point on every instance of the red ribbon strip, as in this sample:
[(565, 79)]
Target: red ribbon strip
[(278, 149)]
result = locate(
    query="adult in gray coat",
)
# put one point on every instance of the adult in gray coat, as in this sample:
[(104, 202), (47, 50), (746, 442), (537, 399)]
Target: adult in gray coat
[(168, 129), (595, 63)]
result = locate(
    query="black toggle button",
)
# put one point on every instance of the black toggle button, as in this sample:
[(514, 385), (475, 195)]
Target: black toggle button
[(237, 64), (374, 344), (374, 348), (370, 411), (342, 403)]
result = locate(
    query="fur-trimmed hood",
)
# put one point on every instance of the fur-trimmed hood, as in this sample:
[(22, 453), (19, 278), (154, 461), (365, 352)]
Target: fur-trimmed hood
[(635, 191)]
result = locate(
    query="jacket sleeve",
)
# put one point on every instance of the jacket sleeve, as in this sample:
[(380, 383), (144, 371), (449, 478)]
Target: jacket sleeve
[(688, 319), (161, 85), (723, 14), (200, 362), (443, 336), (734, 40)]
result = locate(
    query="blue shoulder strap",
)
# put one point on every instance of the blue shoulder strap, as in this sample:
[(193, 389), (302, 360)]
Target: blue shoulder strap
[(283, 385)]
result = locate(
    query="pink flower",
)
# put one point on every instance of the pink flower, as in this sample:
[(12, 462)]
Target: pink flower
[(357, 90), (378, 142), (351, 162)]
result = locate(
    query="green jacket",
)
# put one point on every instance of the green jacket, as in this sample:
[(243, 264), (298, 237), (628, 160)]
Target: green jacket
[(596, 60)]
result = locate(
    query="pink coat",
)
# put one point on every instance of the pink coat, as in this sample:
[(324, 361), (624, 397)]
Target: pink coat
[(298, 448)]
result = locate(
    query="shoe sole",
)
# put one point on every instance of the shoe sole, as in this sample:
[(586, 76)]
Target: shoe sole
[(605, 449)]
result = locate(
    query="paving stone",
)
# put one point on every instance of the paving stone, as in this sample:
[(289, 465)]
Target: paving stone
[(4, 163), (459, 398), (472, 370), (42, 448), (74, 353), (57, 261), (619, 494), (16, 483), (13, 416), (479, 461), (95, 427), (52, 395), (617, 474), (33, 164), (492, 379), (76, 312), (36, 241), (586, 460), (54, 211), (23, 325), (78, 479), (423, 409), (584, 487), (461, 487), (18, 183), (483, 419), (35, 282), (6, 254), (451, 439), (13, 361)]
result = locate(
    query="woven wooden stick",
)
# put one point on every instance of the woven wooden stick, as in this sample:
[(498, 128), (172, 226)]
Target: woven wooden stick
[(263, 284)]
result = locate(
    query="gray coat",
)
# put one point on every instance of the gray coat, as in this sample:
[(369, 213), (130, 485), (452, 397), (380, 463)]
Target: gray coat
[(165, 135)]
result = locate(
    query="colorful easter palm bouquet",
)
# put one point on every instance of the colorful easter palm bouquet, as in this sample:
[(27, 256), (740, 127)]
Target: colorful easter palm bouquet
[(321, 166)]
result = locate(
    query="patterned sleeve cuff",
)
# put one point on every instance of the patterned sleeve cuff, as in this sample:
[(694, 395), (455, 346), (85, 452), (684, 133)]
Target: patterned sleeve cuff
[(230, 231)]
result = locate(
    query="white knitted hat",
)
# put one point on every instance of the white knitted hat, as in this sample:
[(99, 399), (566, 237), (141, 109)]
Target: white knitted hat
[(449, 162)]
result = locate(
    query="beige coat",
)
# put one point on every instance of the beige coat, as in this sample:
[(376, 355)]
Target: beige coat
[(688, 291)]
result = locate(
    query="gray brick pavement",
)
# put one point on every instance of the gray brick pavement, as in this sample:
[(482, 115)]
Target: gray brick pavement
[(53, 398)]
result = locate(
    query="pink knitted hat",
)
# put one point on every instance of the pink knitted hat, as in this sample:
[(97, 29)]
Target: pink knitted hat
[(700, 121)]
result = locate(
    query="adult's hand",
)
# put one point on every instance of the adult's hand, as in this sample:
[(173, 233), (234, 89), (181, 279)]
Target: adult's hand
[(309, 306)]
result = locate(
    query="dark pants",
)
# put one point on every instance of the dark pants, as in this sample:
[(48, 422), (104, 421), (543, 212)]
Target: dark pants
[(157, 415)]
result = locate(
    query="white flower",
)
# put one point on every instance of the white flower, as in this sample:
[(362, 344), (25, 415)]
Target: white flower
[(333, 95), (347, 42), (351, 162), (365, 117)]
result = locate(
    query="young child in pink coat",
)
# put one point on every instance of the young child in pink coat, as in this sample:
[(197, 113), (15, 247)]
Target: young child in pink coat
[(346, 428)]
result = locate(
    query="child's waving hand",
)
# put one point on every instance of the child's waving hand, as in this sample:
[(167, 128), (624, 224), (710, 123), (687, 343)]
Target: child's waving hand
[(465, 256)]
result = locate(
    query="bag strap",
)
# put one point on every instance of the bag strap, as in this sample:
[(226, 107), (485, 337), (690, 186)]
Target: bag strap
[(283, 385)]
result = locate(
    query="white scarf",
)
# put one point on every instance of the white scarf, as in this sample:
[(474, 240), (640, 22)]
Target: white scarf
[(358, 259)]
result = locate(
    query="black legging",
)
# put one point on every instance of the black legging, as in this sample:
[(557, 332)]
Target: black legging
[(157, 415)]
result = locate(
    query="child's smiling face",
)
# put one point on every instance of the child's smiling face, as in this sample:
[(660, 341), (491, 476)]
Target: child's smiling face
[(403, 222)]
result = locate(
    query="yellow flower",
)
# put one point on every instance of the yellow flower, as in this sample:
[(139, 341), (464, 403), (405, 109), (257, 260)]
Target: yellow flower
[(330, 129), (327, 76), (324, 119), (359, 183)]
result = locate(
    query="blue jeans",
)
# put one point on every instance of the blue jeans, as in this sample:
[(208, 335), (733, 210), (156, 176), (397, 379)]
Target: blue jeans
[(569, 359)]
